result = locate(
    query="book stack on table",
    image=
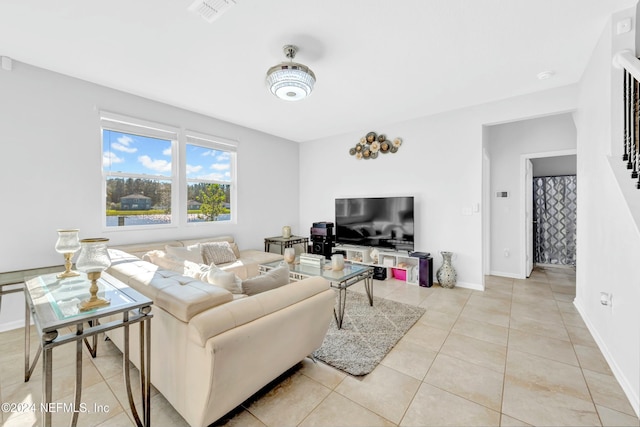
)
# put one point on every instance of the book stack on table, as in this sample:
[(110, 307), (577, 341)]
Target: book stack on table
[(312, 260)]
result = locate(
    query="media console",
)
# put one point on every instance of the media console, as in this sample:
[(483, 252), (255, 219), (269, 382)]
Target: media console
[(417, 266)]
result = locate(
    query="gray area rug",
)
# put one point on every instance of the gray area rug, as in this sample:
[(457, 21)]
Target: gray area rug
[(368, 333)]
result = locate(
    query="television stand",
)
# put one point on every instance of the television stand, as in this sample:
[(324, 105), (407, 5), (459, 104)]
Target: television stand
[(400, 261)]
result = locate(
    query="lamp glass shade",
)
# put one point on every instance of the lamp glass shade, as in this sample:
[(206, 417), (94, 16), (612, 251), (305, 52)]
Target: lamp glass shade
[(291, 81), (68, 241), (94, 256)]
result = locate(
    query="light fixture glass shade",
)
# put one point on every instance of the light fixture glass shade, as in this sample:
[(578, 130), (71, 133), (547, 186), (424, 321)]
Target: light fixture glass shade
[(290, 81)]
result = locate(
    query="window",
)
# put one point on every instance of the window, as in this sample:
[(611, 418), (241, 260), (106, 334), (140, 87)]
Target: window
[(145, 186), (210, 169), (138, 172)]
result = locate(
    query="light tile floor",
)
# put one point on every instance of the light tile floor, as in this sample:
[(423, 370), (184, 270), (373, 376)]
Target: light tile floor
[(516, 354)]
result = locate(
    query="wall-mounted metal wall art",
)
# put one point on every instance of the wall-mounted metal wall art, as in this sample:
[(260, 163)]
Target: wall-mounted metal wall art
[(371, 144)]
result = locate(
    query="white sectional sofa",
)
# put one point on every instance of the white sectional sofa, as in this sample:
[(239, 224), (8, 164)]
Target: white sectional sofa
[(211, 349)]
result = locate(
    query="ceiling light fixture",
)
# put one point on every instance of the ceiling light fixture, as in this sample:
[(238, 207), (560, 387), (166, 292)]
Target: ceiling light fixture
[(289, 80)]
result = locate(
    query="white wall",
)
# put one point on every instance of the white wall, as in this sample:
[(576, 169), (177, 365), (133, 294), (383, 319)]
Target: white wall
[(50, 170), (439, 163), (507, 143), (608, 242)]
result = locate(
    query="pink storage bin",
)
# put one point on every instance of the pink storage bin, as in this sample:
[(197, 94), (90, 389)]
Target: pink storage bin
[(399, 274)]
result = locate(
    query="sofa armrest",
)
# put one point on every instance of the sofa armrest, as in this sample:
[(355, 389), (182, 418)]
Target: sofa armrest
[(228, 316)]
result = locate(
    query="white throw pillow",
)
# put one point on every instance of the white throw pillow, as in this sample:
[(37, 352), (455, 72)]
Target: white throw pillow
[(224, 279), (182, 266), (191, 253), (217, 252), (272, 279)]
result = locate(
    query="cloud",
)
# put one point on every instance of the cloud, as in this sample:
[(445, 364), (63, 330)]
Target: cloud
[(109, 158), (123, 144), (193, 169), (167, 151), (155, 165), (219, 166), (213, 177)]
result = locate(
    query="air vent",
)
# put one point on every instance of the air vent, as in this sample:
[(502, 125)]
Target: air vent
[(210, 10)]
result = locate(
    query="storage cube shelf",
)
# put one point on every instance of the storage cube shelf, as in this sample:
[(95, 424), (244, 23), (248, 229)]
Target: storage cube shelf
[(390, 260)]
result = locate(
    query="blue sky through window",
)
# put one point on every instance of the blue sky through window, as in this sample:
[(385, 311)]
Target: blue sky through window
[(208, 164), (135, 154)]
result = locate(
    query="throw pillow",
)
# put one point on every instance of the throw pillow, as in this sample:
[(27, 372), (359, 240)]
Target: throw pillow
[(272, 279), (191, 253), (217, 252), (234, 248), (182, 266), (224, 279)]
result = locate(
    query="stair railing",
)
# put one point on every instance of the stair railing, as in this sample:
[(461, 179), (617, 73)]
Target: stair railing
[(630, 65)]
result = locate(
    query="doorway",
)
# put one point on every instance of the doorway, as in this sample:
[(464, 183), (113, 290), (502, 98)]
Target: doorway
[(554, 220), (558, 163)]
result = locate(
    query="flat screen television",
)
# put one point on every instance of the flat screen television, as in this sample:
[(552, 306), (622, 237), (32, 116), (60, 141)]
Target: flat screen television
[(383, 222)]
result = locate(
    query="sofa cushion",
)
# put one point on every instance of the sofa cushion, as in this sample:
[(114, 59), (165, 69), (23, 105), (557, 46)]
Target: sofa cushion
[(272, 279), (191, 253), (225, 279), (217, 252), (181, 296)]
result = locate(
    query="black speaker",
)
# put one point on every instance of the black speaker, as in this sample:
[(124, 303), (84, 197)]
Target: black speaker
[(322, 247), (425, 268), (380, 273)]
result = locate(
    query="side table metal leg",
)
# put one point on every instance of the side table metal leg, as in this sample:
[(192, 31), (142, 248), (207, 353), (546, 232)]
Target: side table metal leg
[(78, 387), (127, 373), (46, 385), (93, 348), (28, 365), (27, 341), (146, 381)]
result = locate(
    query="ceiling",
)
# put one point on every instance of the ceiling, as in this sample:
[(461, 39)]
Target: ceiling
[(376, 62)]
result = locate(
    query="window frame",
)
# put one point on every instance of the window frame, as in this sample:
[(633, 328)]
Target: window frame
[(214, 143), (179, 138)]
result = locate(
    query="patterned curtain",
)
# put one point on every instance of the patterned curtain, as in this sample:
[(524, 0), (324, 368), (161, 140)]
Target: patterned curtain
[(554, 213)]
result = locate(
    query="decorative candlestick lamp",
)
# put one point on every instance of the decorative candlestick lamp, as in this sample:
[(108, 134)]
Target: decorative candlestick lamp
[(67, 244), (93, 260)]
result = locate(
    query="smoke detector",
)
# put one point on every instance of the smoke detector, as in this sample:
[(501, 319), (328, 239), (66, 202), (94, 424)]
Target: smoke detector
[(210, 10)]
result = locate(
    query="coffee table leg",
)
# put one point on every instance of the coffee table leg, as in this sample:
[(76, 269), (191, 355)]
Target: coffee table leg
[(368, 286), (342, 300)]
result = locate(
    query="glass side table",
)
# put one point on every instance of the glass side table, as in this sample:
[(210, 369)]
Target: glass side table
[(285, 242), (53, 304)]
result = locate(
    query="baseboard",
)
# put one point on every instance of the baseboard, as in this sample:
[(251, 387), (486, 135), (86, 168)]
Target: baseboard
[(634, 399), (467, 285), (9, 326), (503, 274), (565, 266)]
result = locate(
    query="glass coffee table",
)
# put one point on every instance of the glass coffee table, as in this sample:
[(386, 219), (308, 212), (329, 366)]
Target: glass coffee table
[(341, 280)]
